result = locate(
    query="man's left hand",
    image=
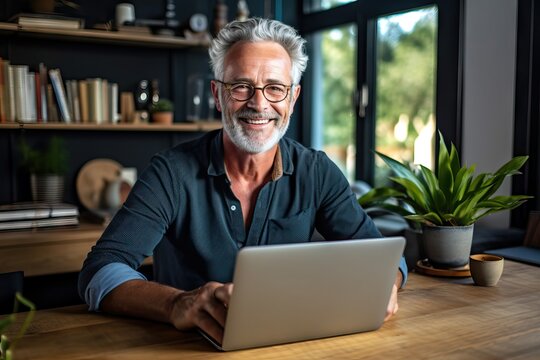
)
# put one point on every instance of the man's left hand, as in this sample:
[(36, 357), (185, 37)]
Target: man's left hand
[(393, 307)]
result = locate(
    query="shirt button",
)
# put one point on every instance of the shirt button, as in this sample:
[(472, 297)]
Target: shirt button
[(233, 207)]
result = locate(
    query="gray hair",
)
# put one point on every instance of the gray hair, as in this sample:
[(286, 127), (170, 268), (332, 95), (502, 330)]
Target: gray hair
[(255, 30)]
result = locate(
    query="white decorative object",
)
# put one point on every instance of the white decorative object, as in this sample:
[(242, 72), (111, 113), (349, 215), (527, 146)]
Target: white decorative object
[(242, 10)]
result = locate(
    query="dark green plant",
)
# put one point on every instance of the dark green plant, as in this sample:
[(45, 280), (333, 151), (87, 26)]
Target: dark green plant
[(163, 105), (6, 346), (53, 160), (453, 197)]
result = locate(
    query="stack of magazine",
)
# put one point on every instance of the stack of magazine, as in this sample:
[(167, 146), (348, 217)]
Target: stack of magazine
[(36, 215)]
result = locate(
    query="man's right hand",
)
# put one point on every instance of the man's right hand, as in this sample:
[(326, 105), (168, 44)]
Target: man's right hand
[(205, 308)]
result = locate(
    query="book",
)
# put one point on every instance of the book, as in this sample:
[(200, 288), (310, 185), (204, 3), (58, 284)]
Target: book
[(10, 87), (43, 89), (105, 100), (51, 21), (21, 94), (52, 111), (69, 98), (30, 103), (76, 101), (6, 92), (37, 90), (95, 105), (33, 211), (60, 92), (113, 102), (83, 99), (3, 100), (38, 223)]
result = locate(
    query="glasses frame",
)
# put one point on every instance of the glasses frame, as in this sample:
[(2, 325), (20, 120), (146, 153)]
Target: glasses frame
[(228, 87)]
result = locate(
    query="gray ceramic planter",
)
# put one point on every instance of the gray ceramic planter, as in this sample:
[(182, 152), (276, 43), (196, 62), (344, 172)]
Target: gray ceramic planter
[(47, 188), (447, 246)]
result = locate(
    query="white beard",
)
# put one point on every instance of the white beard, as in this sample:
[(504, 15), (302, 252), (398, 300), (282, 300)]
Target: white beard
[(249, 140)]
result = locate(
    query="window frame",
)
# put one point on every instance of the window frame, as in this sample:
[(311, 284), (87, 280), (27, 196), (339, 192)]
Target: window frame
[(449, 72)]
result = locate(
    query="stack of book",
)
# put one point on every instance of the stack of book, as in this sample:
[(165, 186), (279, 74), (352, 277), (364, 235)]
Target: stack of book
[(36, 215), (49, 21), (43, 96)]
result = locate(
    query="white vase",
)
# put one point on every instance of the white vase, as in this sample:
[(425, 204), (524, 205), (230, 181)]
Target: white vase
[(447, 246)]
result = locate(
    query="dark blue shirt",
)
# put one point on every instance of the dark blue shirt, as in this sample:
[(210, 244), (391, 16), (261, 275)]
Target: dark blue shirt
[(183, 212)]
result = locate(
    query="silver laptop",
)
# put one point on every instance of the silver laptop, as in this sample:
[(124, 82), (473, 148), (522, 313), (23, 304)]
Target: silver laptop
[(295, 292)]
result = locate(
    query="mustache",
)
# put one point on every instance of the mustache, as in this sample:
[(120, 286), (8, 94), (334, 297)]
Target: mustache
[(250, 114)]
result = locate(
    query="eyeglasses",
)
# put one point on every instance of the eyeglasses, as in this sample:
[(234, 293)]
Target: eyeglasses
[(241, 91)]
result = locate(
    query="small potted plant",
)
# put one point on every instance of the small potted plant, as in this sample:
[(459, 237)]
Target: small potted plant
[(47, 169), (162, 111), (447, 204)]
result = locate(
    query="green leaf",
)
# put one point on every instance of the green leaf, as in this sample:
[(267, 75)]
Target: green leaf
[(428, 219), (462, 184), (431, 183), (477, 182), (4, 323), (400, 170), (468, 208), (4, 345), (378, 195), (414, 192), (445, 175), (396, 209), (454, 161), (512, 166)]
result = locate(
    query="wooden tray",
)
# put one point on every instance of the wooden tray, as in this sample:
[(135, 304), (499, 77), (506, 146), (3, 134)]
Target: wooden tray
[(424, 267)]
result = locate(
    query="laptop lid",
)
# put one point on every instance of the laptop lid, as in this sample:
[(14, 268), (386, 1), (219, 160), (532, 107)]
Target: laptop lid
[(295, 292)]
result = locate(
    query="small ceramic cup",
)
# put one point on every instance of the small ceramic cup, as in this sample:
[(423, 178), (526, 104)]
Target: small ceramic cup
[(125, 12), (486, 270)]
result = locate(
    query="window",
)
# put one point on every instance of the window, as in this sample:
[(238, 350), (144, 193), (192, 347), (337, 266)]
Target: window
[(378, 80), (318, 5), (334, 80), (405, 89)]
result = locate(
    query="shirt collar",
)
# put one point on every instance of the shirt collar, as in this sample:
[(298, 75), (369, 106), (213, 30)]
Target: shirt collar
[(282, 161)]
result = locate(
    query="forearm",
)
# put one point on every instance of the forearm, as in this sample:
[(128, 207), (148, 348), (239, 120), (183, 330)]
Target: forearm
[(399, 279), (139, 298)]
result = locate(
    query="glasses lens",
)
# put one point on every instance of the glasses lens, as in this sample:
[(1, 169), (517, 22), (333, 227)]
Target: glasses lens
[(241, 91), (275, 92)]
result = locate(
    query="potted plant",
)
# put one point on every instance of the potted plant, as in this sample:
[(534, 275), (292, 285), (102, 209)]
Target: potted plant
[(6, 346), (47, 169), (162, 111), (446, 204)]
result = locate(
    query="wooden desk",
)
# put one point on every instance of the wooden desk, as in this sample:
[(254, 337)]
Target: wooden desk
[(438, 319), (48, 251)]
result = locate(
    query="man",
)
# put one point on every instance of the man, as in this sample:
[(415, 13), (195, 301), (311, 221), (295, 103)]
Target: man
[(197, 204)]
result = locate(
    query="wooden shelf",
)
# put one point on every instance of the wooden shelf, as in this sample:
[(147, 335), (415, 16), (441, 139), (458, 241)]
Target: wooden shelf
[(102, 36), (201, 126)]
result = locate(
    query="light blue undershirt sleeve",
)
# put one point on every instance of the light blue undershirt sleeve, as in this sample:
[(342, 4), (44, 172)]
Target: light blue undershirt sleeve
[(105, 280), (404, 271)]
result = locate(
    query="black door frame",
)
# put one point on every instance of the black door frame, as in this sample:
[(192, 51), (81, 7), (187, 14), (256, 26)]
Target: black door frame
[(449, 67)]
